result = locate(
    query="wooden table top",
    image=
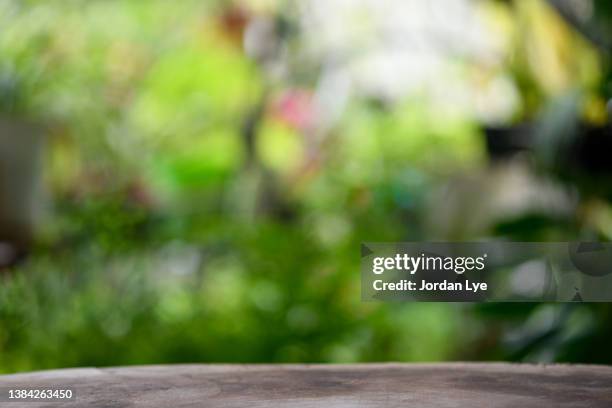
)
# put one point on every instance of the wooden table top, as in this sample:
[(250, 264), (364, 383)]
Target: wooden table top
[(365, 385)]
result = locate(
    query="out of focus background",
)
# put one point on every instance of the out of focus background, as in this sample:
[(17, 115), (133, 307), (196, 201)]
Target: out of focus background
[(190, 181)]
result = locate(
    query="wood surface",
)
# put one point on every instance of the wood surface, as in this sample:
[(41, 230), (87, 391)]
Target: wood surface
[(375, 385)]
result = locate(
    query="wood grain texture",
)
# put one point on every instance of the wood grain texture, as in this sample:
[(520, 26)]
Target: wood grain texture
[(378, 385)]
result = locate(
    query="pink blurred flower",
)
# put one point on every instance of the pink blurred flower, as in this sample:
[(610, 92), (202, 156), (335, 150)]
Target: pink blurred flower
[(295, 108)]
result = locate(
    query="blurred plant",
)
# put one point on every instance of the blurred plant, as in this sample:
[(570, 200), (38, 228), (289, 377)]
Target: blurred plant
[(215, 166)]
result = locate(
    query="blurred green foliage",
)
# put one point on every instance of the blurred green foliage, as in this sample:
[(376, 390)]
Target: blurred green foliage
[(194, 217)]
